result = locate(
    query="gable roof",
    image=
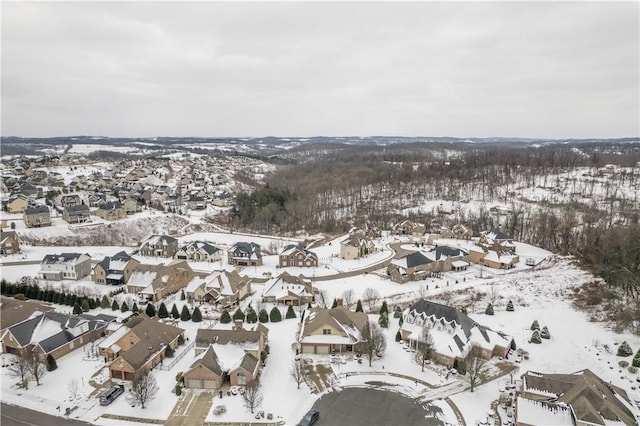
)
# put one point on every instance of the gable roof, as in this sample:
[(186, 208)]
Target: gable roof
[(14, 311), (351, 324), (78, 208), (36, 210), (154, 335), (207, 336), (73, 258), (210, 361), (250, 250)]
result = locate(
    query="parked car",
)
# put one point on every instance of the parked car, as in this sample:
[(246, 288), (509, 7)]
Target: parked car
[(110, 395), (310, 418)]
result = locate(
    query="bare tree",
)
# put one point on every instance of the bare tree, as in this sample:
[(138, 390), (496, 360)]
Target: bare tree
[(36, 366), (423, 291), (322, 298), (375, 343), (73, 388), (297, 372), (143, 389), (18, 367), (493, 294), (252, 397), (424, 346), (474, 367), (349, 297), (371, 296)]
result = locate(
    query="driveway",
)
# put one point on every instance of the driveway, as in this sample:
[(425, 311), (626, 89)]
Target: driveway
[(372, 407)]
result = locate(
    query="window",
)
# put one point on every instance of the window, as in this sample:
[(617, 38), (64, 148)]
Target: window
[(410, 319), (326, 331), (242, 379), (419, 322)]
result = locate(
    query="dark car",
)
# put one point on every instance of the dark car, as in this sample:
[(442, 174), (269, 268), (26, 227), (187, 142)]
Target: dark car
[(111, 394), (310, 418)]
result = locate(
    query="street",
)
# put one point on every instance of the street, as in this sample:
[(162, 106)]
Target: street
[(12, 415)]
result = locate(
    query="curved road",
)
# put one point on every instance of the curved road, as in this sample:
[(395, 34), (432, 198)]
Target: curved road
[(12, 415)]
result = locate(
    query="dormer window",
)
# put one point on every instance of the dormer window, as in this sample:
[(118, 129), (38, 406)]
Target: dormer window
[(419, 321), (410, 319)]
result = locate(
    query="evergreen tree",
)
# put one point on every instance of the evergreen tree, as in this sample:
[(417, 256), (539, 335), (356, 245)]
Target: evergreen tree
[(238, 315), (384, 320), (174, 312), (545, 333), (290, 312), (85, 305), (162, 311), (77, 309), (196, 316), (150, 310), (489, 310), (104, 303), (252, 316), (92, 303), (51, 363), (535, 337), (181, 340), (400, 322), (398, 336), (124, 307), (275, 315), (225, 318), (624, 349), (384, 308), (334, 304), (510, 306), (464, 310), (185, 315), (56, 297), (535, 325), (636, 359), (263, 316), (40, 295), (114, 305), (359, 306), (182, 295), (73, 300), (309, 305), (135, 308), (169, 352)]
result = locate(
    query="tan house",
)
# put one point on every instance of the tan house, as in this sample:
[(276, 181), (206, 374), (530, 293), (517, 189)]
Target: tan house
[(18, 203), (226, 288), (292, 255), (115, 270), (409, 227), (334, 330), (130, 206), (155, 282), (78, 213), (35, 217), (112, 210), (288, 290), (138, 346), (9, 243), (159, 245), (355, 246)]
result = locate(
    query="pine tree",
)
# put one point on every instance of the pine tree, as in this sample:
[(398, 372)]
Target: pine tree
[(252, 316), (162, 311), (624, 349), (384, 308), (225, 318), (545, 333), (182, 295), (124, 307), (636, 359), (67, 299), (77, 310), (104, 303), (535, 337), (92, 303), (85, 305), (398, 336), (535, 325), (263, 316), (238, 315), (51, 363), (510, 306), (384, 320), (174, 312), (400, 322), (73, 300), (489, 310), (135, 308), (185, 315), (114, 305), (196, 316), (275, 315), (334, 304), (150, 310), (56, 297), (290, 312), (359, 306)]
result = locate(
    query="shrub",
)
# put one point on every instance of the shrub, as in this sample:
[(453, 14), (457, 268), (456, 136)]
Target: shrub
[(180, 377), (623, 363), (225, 318), (275, 315), (398, 336), (196, 316), (185, 315), (545, 333), (489, 310), (162, 311), (384, 308), (51, 363), (178, 389), (636, 359), (174, 312), (359, 306), (509, 306), (114, 305), (535, 325), (135, 308), (124, 307), (384, 320), (251, 315), (632, 369), (150, 310), (263, 316), (169, 352), (238, 315), (77, 310), (85, 305), (624, 349), (535, 337), (290, 313)]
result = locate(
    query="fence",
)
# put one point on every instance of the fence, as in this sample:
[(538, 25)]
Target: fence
[(176, 358)]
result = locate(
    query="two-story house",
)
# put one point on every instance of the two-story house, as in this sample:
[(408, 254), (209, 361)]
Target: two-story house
[(78, 213), (154, 282), (159, 245), (244, 254), (115, 270), (292, 255), (9, 242), (356, 245), (65, 266), (199, 251), (226, 288), (35, 217), (288, 290), (334, 330), (111, 210)]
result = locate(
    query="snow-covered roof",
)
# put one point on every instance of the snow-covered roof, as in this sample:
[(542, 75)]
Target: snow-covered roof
[(541, 414)]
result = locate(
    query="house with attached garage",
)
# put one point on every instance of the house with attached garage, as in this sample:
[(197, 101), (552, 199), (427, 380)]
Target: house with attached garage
[(244, 254), (17, 203), (409, 227), (115, 270), (288, 290), (199, 251), (138, 346), (54, 333), (155, 282), (159, 245), (292, 255), (35, 217), (65, 266), (452, 332), (227, 355), (226, 288), (9, 242), (356, 245), (76, 214), (333, 330)]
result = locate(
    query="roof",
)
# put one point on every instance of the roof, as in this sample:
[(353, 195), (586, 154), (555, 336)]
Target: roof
[(350, 323), (154, 336), (52, 259), (210, 361), (13, 311), (250, 250), (412, 260), (291, 249), (117, 262), (209, 336), (162, 239), (439, 252), (78, 208), (36, 210)]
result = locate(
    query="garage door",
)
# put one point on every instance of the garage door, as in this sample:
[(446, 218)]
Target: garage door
[(194, 383), (209, 384), (322, 349), (307, 349)]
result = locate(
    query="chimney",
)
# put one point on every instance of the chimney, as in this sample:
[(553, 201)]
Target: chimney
[(237, 325), (338, 301)]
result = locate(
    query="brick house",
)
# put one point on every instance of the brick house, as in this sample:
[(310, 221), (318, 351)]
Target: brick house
[(159, 245), (115, 270), (244, 254), (292, 255)]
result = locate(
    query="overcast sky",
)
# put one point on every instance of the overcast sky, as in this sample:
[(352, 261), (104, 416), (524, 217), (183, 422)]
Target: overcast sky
[(550, 70)]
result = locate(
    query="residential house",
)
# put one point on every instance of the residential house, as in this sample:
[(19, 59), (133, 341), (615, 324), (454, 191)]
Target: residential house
[(138, 346), (9, 242), (17, 203), (111, 210), (196, 203), (244, 254), (356, 245), (458, 231), (159, 245), (76, 214), (199, 251), (35, 217), (289, 290), (452, 332), (65, 266), (14, 311), (96, 199), (68, 200), (581, 398), (409, 227), (232, 355), (130, 206), (155, 282), (115, 270), (53, 333), (334, 330), (292, 255), (226, 288)]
